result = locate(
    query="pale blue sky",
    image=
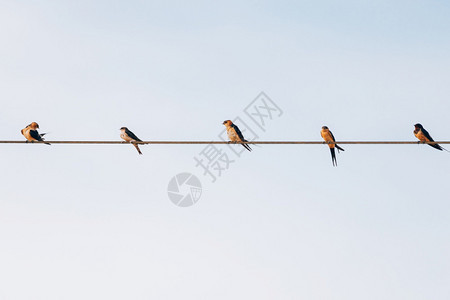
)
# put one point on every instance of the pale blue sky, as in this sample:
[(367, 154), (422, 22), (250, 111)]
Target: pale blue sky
[(95, 222)]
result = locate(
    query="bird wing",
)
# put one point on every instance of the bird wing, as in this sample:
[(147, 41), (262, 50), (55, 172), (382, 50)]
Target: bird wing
[(427, 135), (239, 133), (336, 145), (332, 136), (132, 135), (35, 135)]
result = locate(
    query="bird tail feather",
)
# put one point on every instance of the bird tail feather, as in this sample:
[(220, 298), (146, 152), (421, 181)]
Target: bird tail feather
[(339, 148), (246, 146), (137, 148), (333, 157), (436, 146)]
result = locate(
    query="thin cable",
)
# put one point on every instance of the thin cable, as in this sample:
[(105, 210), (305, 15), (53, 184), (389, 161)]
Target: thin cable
[(225, 142)]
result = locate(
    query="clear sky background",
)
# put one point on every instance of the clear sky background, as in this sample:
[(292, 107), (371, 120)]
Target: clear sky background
[(95, 222)]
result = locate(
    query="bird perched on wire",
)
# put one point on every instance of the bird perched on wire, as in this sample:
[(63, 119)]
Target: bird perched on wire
[(234, 134), (31, 134), (328, 137), (425, 137), (130, 137)]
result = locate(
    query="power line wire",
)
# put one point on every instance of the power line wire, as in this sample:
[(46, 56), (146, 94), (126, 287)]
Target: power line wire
[(225, 142)]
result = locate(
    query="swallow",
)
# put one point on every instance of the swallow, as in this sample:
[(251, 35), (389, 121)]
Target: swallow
[(425, 137), (31, 134), (234, 134), (130, 137), (328, 137)]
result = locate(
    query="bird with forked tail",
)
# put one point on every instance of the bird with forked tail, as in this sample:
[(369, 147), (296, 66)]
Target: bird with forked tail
[(424, 137), (328, 137), (31, 134), (130, 137), (234, 134)]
